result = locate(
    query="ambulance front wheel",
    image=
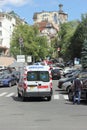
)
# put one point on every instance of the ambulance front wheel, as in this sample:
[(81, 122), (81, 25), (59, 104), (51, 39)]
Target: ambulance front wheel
[(49, 98)]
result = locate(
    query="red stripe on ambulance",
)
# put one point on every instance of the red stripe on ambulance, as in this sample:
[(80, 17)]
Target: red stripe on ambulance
[(43, 86)]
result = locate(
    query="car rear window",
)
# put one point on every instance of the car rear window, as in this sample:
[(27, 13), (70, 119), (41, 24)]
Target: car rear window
[(38, 76)]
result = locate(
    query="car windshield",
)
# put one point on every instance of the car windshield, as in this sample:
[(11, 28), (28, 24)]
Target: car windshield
[(38, 76)]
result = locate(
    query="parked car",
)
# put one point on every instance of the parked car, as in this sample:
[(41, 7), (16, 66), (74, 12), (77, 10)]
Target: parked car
[(64, 80), (68, 71), (16, 74), (67, 83), (83, 78), (56, 74), (65, 86), (7, 80), (61, 71), (73, 73), (60, 65), (2, 67), (70, 63)]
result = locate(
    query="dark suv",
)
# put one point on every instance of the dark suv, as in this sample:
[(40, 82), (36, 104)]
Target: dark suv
[(56, 74)]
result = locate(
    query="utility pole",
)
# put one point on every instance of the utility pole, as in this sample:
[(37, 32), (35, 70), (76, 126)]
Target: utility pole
[(20, 43)]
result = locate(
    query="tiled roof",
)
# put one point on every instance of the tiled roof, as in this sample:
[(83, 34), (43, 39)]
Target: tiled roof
[(42, 25), (45, 24)]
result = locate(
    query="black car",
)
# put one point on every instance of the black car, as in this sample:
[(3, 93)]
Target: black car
[(56, 74)]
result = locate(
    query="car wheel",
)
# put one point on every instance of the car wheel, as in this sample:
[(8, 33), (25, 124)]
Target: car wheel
[(23, 98), (70, 95), (49, 98)]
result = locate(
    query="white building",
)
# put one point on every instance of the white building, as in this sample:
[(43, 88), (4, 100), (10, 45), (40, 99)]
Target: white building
[(8, 20), (7, 24)]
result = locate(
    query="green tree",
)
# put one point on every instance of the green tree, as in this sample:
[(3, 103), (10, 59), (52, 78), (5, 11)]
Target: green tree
[(65, 34), (77, 39), (33, 44), (84, 55), (54, 46)]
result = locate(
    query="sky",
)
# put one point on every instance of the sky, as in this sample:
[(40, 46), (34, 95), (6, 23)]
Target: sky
[(26, 8)]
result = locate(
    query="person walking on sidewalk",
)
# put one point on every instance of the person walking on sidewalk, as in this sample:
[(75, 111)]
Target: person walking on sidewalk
[(77, 87)]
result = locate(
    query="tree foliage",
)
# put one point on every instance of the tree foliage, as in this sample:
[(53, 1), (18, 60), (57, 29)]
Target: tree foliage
[(84, 55), (78, 38), (72, 35), (65, 34), (33, 44)]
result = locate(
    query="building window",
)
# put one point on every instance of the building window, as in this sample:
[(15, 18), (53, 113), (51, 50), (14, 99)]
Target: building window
[(55, 18)]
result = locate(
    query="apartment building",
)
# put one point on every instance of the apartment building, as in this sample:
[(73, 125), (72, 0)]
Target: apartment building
[(49, 22), (8, 20), (7, 23), (54, 17)]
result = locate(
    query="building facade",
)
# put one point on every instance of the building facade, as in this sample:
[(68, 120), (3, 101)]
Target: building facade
[(49, 22), (8, 20), (54, 17), (7, 24)]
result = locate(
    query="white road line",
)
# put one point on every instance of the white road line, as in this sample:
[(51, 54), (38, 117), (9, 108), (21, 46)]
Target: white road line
[(56, 96), (16, 95), (9, 95), (2, 94), (65, 97)]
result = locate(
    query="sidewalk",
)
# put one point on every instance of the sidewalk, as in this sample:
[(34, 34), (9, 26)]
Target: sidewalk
[(6, 61)]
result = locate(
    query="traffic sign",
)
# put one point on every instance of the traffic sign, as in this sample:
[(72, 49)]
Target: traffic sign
[(29, 59), (20, 40), (20, 58)]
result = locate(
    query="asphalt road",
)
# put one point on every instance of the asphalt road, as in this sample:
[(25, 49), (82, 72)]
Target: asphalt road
[(35, 114)]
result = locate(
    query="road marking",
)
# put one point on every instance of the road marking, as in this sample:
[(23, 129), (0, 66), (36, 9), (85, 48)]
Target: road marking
[(9, 95), (2, 94), (56, 96), (66, 97)]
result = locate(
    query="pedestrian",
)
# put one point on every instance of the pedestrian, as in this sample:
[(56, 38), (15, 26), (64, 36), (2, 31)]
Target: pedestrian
[(77, 87)]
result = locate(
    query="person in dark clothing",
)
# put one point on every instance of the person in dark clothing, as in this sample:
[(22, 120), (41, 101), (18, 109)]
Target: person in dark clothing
[(77, 86)]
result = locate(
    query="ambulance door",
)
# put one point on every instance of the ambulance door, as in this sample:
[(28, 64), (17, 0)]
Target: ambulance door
[(32, 77), (44, 83)]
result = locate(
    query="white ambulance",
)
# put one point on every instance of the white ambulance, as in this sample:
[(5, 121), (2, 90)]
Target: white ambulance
[(35, 82)]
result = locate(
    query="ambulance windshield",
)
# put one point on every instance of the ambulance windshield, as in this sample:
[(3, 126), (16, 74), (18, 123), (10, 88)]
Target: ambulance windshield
[(38, 76)]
